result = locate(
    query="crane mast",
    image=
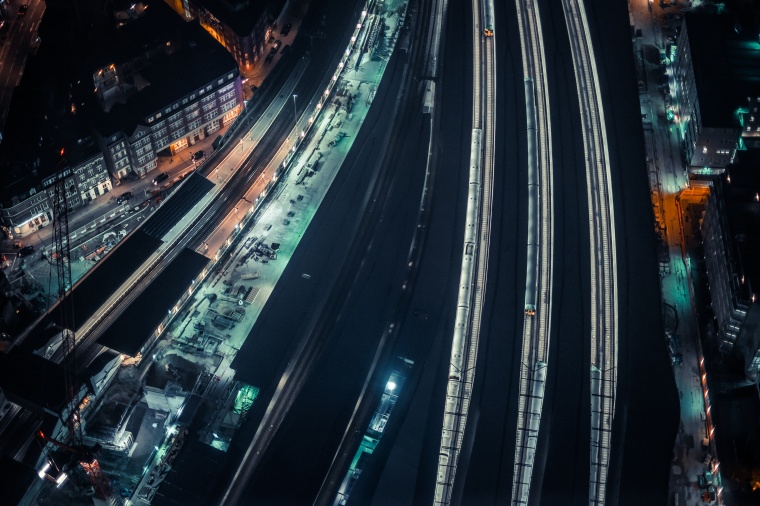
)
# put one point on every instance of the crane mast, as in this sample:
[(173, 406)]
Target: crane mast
[(83, 455), (62, 257)]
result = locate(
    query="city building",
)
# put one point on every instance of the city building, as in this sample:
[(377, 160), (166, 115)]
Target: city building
[(717, 67), (162, 115), (102, 103), (241, 26), (731, 238), (46, 137)]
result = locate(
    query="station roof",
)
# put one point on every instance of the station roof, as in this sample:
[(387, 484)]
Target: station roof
[(176, 207), (135, 326), (97, 285)]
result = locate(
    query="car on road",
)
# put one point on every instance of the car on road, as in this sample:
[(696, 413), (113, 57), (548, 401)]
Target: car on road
[(275, 47), (285, 30), (124, 197), (26, 251), (198, 155), (254, 88), (160, 178), (22, 9), (268, 59)]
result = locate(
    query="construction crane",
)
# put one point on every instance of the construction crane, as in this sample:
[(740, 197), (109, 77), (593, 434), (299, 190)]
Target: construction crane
[(80, 454)]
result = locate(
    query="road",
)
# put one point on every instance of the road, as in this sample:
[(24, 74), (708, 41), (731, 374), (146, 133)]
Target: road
[(17, 37)]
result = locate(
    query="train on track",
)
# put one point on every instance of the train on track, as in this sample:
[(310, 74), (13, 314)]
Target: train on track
[(531, 276), (460, 343), (488, 15)]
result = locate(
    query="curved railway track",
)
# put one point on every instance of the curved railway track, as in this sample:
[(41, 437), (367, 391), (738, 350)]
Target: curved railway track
[(601, 216), (476, 247), (537, 323)]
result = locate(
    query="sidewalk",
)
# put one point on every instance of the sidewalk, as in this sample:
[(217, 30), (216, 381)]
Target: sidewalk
[(82, 217)]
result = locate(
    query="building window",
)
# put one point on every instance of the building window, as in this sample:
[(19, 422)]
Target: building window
[(227, 96)]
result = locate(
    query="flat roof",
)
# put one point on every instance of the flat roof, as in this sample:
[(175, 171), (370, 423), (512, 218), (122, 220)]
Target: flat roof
[(193, 471), (743, 216), (241, 15), (726, 63), (135, 326), (174, 208), (32, 381), (201, 61), (17, 478)]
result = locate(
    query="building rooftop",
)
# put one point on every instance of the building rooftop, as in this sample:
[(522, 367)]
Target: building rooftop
[(187, 482), (241, 15), (33, 382), (135, 326), (201, 61), (174, 209), (726, 61), (17, 478), (42, 120)]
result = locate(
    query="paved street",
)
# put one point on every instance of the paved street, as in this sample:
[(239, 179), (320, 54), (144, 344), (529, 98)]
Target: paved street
[(668, 181)]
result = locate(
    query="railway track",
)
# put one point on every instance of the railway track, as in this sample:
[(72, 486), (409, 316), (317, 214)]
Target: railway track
[(476, 247), (604, 295), (537, 323)]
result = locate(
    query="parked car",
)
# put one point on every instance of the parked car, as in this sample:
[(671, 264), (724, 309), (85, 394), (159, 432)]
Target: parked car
[(285, 30), (270, 40), (275, 47), (268, 59), (160, 178), (254, 88), (124, 197), (26, 251), (198, 155)]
